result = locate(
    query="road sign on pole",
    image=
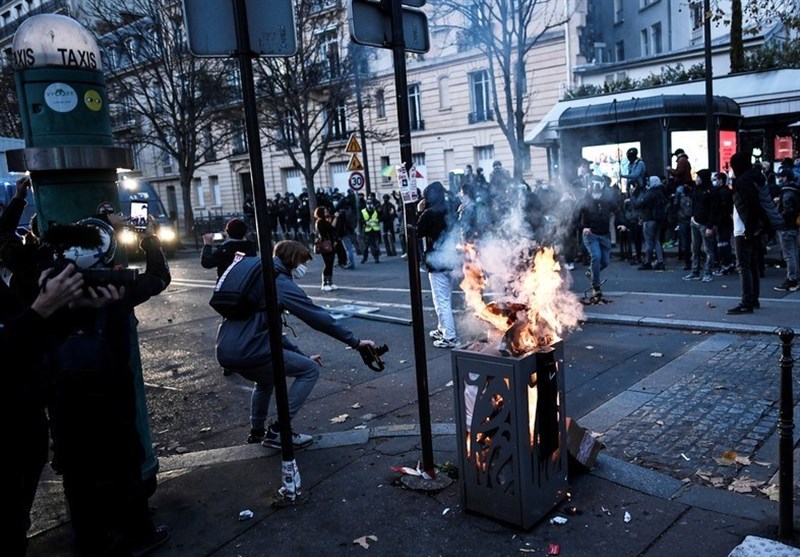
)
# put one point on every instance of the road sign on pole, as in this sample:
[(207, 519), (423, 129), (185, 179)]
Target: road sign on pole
[(356, 180), (370, 25), (353, 146), (211, 29), (355, 164)]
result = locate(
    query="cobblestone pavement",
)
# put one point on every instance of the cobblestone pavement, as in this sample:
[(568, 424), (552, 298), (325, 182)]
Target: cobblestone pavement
[(731, 403)]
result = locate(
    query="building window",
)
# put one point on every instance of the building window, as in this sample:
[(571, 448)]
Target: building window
[(620, 51), (418, 159), (655, 38), (336, 121), (644, 37), (444, 92), (287, 133), (209, 152), (385, 161), (696, 14), (166, 162), (415, 107), (200, 190), (645, 3), (329, 53), (238, 138), (618, 11), (479, 97), (380, 103), (216, 190)]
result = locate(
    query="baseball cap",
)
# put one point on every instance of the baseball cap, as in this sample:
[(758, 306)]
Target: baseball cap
[(678, 152)]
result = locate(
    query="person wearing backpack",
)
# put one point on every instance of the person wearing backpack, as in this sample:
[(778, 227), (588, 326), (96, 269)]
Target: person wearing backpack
[(652, 203), (243, 346), (789, 208)]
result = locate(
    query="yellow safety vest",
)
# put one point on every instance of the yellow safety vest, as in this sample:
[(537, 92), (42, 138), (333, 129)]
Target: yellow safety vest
[(371, 222)]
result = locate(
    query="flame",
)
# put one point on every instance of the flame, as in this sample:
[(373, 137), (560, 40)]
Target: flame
[(539, 307)]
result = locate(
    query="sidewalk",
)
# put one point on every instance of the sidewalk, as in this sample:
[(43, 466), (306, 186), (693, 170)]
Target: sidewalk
[(720, 395)]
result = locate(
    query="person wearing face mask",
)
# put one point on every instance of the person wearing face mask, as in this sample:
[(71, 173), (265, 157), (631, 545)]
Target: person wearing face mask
[(595, 217), (289, 260), (324, 227), (371, 223)]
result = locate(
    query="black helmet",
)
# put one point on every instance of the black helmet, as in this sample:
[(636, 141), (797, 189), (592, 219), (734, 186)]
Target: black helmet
[(633, 151)]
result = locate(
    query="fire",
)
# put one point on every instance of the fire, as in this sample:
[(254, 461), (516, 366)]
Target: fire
[(537, 307)]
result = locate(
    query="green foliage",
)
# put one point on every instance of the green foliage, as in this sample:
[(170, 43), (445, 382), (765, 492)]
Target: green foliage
[(775, 55), (673, 74)]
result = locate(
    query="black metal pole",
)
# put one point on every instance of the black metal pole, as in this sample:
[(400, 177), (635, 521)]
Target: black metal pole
[(785, 447), (262, 231), (410, 214), (711, 131), (361, 132)]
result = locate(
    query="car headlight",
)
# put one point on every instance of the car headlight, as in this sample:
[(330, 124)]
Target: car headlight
[(127, 237), (166, 234)]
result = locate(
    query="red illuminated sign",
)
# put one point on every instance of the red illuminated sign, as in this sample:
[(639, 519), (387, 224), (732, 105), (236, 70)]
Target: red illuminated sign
[(727, 147)]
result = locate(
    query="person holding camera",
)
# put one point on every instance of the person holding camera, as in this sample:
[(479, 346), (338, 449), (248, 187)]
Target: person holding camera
[(222, 256)]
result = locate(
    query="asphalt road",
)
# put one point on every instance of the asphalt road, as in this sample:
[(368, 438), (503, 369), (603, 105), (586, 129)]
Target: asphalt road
[(194, 407)]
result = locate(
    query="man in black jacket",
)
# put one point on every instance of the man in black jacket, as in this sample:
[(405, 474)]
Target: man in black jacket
[(222, 256), (749, 224), (705, 215), (595, 215), (789, 207)]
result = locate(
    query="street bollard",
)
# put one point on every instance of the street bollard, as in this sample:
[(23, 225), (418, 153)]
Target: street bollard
[(786, 428)]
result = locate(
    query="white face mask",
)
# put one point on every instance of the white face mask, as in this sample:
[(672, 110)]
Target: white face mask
[(299, 271)]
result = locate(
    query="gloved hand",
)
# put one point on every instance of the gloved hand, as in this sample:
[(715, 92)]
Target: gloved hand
[(372, 356)]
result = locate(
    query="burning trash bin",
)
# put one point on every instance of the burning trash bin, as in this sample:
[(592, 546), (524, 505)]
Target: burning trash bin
[(511, 431), (509, 396)]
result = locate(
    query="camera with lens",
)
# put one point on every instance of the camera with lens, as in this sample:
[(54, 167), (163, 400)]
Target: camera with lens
[(89, 245)]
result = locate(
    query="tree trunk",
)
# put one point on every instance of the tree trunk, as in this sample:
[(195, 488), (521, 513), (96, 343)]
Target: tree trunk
[(188, 214), (737, 48)]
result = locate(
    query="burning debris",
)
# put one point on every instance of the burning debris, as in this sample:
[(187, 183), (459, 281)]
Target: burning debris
[(537, 306)]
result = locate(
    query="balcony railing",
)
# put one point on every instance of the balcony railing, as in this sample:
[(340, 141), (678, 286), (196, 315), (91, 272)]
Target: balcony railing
[(480, 116)]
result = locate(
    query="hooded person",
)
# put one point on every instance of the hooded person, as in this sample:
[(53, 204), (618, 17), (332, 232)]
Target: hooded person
[(222, 256), (636, 170), (652, 206), (433, 226)]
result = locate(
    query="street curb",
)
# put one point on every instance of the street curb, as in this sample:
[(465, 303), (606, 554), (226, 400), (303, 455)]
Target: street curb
[(681, 324)]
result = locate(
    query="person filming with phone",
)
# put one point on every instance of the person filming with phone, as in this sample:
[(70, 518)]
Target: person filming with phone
[(222, 256)]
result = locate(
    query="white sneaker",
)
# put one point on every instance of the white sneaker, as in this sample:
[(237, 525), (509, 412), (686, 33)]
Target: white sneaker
[(272, 439), (333, 287), (326, 288)]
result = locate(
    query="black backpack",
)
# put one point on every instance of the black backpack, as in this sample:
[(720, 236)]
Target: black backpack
[(234, 293)]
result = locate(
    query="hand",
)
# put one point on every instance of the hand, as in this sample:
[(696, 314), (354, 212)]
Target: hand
[(586, 231), (421, 205), (22, 187), (709, 232), (208, 239), (57, 291), (98, 297), (622, 228), (316, 358)]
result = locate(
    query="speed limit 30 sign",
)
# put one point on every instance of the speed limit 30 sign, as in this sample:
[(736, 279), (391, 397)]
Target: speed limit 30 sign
[(356, 180)]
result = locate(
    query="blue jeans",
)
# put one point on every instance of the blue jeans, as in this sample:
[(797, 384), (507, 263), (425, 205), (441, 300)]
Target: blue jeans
[(709, 246), (790, 247), (599, 248), (442, 294), (652, 243), (305, 372), (347, 241)]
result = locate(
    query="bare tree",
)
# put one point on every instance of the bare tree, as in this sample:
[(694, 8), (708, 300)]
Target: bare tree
[(505, 31), (307, 99), (10, 119), (185, 107)]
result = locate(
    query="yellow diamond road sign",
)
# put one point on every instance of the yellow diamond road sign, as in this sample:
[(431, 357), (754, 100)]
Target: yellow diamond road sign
[(353, 146), (355, 164)]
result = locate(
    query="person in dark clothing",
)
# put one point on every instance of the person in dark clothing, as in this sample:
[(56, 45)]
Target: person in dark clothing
[(705, 215), (789, 208), (289, 259), (652, 205), (93, 400), (388, 217), (371, 225), (24, 330), (749, 225), (223, 255), (681, 175), (325, 229), (432, 226), (724, 229), (595, 216)]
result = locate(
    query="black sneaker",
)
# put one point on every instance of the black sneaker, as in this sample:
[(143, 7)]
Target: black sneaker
[(659, 267), (787, 286), (256, 435), (739, 310), (645, 267)]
